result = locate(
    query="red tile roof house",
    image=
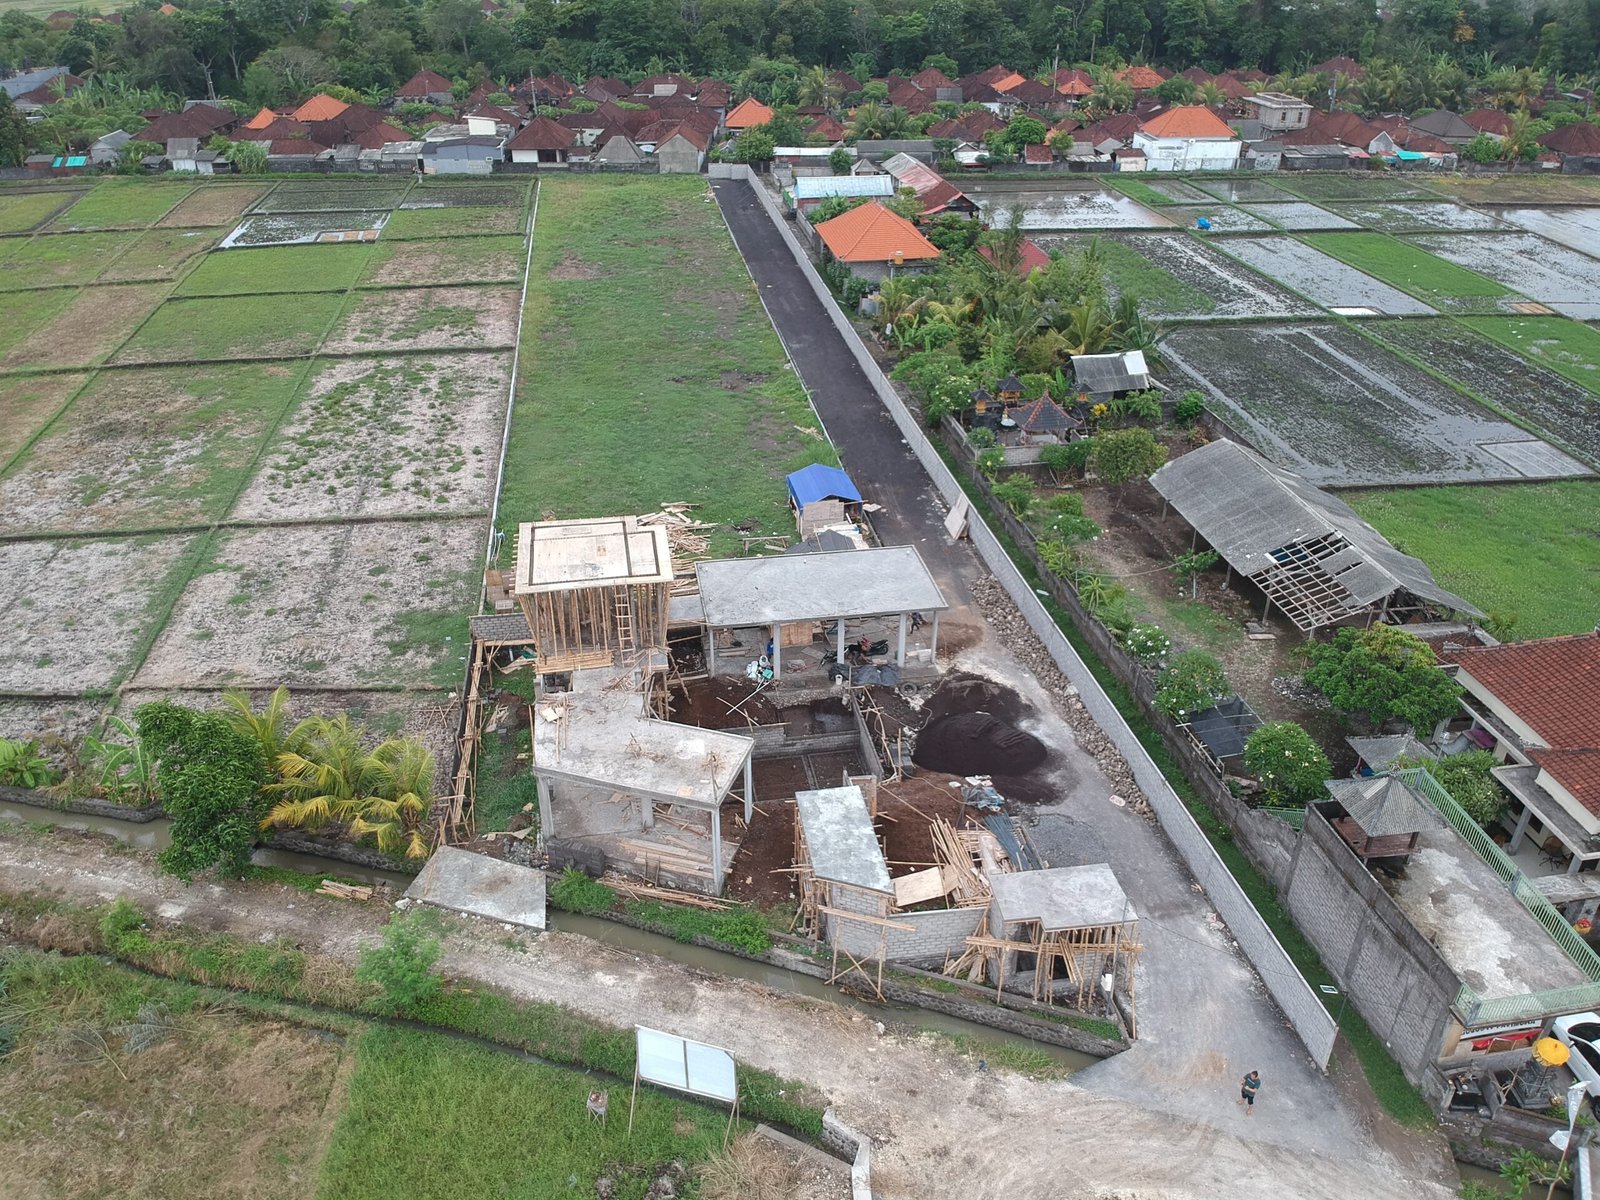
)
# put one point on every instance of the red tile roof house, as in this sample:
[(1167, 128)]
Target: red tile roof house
[(544, 142), (1188, 138), (426, 87), (876, 243), (1536, 705)]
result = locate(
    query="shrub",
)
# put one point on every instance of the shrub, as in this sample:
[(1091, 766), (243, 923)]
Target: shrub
[(1073, 456), (1382, 674), (21, 765), (1193, 683), (839, 161), (1290, 765), (1138, 406), (1466, 777), (1058, 555), (575, 892), (1148, 643), (1188, 409), (980, 438), (991, 460), (1015, 493), (403, 965), (1482, 149), (1123, 454), (1062, 516)]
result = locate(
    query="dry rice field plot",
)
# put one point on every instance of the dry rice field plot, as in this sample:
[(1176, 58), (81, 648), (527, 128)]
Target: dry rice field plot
[(1418, 216), (448, 261), (233, 327), (1298, 216), (78, 610), (464, 221), (215, 204), (432, 194), (1543, 188), (22, 212), (159, 254), (241, 271), (28, 717), (370, 437), (98, 320), (355, 605), (51, 260), (427, 319), (147, 449), (1323, 401), (1564, 411), (28, 402), (1562, 279), (23, 312), (1323, 278)]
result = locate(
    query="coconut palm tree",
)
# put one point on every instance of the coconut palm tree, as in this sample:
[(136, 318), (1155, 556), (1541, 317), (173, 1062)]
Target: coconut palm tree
[(399, 774), (323, 780), (270, 727), (1211, 94), (817, 90), (1110, 95)]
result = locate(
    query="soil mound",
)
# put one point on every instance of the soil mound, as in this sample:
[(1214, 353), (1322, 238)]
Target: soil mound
[(976, 743)]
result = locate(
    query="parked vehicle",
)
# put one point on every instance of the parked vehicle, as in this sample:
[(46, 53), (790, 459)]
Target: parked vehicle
[(1580, 1033)]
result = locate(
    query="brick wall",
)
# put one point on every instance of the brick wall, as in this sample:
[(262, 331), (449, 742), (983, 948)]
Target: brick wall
[(1392, 974)]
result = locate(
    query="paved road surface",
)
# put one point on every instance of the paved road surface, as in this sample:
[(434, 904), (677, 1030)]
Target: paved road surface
[(1205, 1018)]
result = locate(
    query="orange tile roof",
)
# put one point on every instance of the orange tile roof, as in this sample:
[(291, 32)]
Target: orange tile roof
[(1006, 82), (262, 119), (748, 113), (871, 233), (1576, 770), (1140, 78), (1187, 121), (1552, 684), (321, 107)]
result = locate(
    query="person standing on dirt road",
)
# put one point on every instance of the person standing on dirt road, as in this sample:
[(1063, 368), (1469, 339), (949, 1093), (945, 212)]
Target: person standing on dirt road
[(1248, 1087)]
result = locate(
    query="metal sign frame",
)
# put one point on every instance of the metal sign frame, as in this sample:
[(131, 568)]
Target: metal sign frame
[(681, 1064)]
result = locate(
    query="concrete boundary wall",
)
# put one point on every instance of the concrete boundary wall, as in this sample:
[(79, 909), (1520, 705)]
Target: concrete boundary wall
[(855, 1148), (1288, 987)]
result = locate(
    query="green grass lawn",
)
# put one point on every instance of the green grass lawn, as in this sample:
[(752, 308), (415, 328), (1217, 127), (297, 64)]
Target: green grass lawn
[(21, 212), (159, 254), (1159, 290), (1407, 267), (316, 268), (23, 312), (484, 1124), (650, 372), (461, 221), (1568, 348), (68, 258), (1528, 549), (1136, 189), (233, 327), (122, 204)]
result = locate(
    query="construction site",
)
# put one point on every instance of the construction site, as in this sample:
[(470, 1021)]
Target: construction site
[(776, 729)]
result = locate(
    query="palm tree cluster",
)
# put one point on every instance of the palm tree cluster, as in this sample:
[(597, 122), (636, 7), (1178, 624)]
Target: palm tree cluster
[(324, 775)]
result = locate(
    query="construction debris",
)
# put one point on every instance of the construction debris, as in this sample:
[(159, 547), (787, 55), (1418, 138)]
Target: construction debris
[(344, 891)]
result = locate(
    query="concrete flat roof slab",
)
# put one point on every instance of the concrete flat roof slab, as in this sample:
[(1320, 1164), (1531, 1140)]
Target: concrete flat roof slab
[(481, 887), (609, 741), (557, 556), (1062, 897), (816, 587), (840, 838)]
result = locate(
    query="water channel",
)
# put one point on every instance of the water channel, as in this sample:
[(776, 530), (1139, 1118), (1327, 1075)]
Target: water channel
[(155, 835)]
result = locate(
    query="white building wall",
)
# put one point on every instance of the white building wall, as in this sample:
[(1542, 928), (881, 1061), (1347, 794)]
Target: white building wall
[(1188, 154)]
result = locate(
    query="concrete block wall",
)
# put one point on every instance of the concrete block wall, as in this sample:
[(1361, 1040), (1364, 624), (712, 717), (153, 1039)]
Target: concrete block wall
[(853, 1146), (932, 935), (1393, 975)]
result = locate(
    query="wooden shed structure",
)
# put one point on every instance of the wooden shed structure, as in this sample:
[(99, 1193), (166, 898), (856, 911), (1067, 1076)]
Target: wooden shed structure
[(1383, 817), (594, 591)]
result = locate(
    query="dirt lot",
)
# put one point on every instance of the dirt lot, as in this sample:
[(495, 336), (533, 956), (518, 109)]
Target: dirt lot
[(147, 449), (324, 606), (371, 437), (77, 610), (215, 204), (427, 319), (90, 328), (479, 260), (28, 403), (159, 254)]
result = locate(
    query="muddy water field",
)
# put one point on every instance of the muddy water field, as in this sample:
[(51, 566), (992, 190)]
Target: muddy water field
[(316, 521), (1322, 277), (1554, 275)]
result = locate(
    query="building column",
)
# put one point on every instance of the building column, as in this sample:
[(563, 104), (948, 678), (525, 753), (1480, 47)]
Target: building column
[(647, 810), (933, 651), (1572, 867), (546, 821), (716, 851), (749, 786), (711, 651), (1520, 831), (777, 651), (900, 646), (838, 654)]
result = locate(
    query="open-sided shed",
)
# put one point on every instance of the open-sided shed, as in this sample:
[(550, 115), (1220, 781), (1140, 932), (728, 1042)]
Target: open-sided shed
[(1307, 550)]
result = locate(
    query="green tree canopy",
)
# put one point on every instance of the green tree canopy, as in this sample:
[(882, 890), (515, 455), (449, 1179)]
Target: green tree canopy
[(1383, 674)]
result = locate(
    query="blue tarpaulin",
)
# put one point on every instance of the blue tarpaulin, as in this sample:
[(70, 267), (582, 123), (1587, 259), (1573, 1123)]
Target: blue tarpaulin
[(818, 482)]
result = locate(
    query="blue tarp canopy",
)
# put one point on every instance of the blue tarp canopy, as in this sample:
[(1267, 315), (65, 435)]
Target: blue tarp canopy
[(817, 482)]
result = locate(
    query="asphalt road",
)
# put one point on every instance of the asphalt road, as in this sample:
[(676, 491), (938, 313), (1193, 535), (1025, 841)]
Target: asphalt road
[(1205, 1018)]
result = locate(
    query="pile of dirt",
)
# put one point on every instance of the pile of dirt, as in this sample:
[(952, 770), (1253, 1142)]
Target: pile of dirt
[(977, 743)]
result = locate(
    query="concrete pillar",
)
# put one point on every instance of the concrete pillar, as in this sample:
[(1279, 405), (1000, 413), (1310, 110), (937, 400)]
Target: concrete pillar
[(716, 850), (933, 652), (749, 786), (1520, 831), (1572, 867), (647, 810), (777, 651), (838, 654), (900, 646), (546, 821), (711, 651)]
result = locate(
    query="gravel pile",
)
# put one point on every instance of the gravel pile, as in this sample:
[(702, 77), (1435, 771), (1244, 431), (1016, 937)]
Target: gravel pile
[(1008, 624)]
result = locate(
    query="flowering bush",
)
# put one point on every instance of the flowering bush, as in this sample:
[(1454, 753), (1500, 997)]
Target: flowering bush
[(1289, 764), (1149, 644), (1193, 683)]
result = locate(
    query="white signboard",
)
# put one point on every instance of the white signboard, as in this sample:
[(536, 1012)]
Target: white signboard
[(674, 1062)]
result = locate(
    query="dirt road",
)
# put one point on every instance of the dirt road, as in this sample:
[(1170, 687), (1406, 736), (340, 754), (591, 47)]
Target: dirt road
[(941, 1127)]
